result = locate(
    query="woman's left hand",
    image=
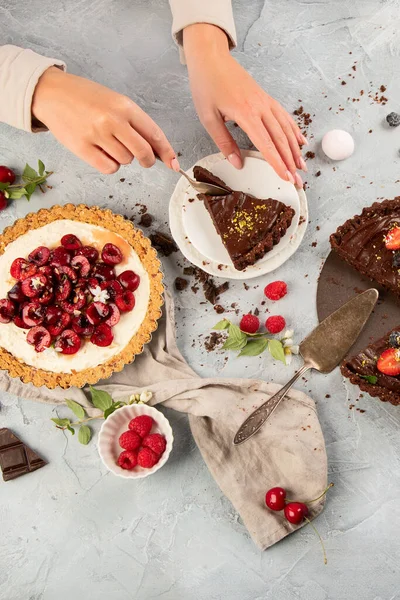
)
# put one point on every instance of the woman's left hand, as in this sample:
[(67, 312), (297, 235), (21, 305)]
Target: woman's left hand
[(222, 90)]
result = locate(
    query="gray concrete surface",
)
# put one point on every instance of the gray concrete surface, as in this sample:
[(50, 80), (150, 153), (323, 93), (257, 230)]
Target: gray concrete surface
[(74, 530)]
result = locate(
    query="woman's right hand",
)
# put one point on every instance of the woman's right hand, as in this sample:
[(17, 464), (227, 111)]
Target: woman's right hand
[(102, 127)]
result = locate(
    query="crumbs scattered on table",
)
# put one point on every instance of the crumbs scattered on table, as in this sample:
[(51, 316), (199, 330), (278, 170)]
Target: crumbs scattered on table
[(181, 284), (310, 155), (317, 174), (146, 220), (163, 243), (213, 341), (219, 309)]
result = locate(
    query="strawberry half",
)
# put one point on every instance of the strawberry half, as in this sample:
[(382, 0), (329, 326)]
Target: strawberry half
[(392, 238), (389, 362)]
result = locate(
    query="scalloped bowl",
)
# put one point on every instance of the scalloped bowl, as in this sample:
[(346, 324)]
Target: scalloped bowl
[(117, 423)]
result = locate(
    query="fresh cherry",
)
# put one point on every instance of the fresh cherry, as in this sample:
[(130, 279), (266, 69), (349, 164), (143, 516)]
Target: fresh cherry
[(82, 326), (20, 269), (112, 287), (275, 498), (77, 302), (63, 290), (39, 256), (39, 337), (71, 242), (81, 264), (129, 279), (6, 175), (46, 296), (295, 512), (103, 272), (125, 301), (33, 286), (111, 255), (97, 312), (33, 314), (7, 310), (88, 252), (16, 294), (3, 200), (57, 327), (68, 342), (60, 257), (114, 316), (102, 335)]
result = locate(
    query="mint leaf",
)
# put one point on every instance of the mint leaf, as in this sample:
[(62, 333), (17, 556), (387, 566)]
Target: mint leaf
[(113, 408), (29, 173), (71, 429), (61, 422), (276, 349), (231, 344), (100, 399), (224, 324), (30, 188), (84, 435), (76, 408), (41, 167), (235, 333), (370, 378), (18, 193), (254, 348)]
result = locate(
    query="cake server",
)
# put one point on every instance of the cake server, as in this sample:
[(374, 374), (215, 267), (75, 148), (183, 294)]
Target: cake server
[(322, 350)]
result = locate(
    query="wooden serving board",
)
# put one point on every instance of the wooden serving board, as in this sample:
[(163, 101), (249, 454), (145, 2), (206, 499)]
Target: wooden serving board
[(338, 283)]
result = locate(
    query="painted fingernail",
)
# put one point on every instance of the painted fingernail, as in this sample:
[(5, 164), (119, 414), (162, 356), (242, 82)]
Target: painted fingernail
[(305, 141), (302, 164), (175, 164), (290, 177), (235, 160), (299, 181)]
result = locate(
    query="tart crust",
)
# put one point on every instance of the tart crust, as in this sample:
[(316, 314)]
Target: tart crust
[(148, 257)]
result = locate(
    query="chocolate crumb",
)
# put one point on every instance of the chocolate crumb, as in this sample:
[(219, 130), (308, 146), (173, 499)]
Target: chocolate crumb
[(181, 284), (219, 309), (163, 243), (310, 154), (343, 82), (122, 179), (213, 340), (179, 154), (246, 287), (189, 271), (327, 396), (191, 200), (317, 174), (314, 244), (256, 311), (146, 220)]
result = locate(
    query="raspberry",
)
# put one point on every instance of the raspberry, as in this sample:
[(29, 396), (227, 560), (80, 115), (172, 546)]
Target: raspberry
[(276, 290), (142, 425), (128, 460), (130, 440), (147, 458), (249, 323), (275, 324), (156, 442)]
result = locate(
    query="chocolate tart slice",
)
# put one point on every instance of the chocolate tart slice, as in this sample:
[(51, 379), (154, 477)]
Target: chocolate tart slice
[(361, 370), (360, 241), (249, 227)]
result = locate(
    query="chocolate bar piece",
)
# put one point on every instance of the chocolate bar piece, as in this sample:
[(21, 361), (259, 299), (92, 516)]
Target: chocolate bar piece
[(16, 458)]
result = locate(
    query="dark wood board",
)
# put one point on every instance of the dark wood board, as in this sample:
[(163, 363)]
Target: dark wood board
[(338, 283)]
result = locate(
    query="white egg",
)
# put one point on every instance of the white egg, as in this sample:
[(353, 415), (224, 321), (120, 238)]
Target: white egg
[(338, 144)]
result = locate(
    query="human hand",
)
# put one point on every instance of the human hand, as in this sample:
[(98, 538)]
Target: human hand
[(222, 90), (102, 127)]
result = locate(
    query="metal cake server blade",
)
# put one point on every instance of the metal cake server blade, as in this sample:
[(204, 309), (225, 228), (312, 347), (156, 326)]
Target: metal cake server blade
[(322, 350)]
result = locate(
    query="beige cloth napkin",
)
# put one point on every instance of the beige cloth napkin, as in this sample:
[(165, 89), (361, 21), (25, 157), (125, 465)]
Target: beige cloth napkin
[(289, 451)]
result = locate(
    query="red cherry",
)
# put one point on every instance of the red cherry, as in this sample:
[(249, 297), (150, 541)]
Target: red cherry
[(46, 296), (129, 279), (275, 498), (111, 254), (16, 294), (20, 269), (115, 315), (103, 272), (33, 286), (53, 315), (102, 335), (81, 264), (68, 342), (3, 200), (295, 512), (39, 337), (82, 326), (125, 301), (63, 290), (77, 302), (18, 321), (70, 242), (68, 271), (7, 310), (112, 287), (97, 312), (60, 257), (6, 175), (39, 256), (47, 271), (88, 252), (33, 313), (62, 323)]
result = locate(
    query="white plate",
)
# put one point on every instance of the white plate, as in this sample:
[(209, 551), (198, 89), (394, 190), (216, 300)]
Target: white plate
[(117, 423), (195, 234)]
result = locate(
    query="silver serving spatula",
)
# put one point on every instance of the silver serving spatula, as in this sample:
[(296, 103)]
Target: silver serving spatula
[(322, 350)]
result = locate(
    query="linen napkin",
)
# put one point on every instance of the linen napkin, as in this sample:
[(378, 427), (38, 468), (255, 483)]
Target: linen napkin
[(289, 451)]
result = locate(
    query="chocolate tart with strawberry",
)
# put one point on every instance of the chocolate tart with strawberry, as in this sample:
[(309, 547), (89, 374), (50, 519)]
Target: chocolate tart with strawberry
[(370, 243), (376, 370), (80, 294)]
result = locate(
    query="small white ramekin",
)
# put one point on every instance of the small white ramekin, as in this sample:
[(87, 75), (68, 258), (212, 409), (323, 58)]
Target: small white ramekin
[(117, 423)]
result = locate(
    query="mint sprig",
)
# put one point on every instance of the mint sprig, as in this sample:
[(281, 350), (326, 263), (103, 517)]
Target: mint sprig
[(250, 344), (31, 179), (370, 378)]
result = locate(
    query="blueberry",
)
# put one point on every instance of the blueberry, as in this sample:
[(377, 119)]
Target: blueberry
[(396, 260), (393, 119), (394, 339)]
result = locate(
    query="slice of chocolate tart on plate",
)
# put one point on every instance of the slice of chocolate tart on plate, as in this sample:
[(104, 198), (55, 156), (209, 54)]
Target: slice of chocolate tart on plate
[(249, 227)]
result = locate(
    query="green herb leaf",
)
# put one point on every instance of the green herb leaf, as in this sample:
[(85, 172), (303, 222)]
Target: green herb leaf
[(113, 408), (231, 344), (29, 173), (41, 167), (61, 422), (100, 399), (71, 429), (224, 324), (236, 334), (370, 378), (254, 348), (30, 188), (276, 349), (18, 193), (84, 435), (4, 186), (76, 408)]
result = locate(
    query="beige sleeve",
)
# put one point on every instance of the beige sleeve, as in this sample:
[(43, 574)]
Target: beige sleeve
[(188, 12), (19, 73)]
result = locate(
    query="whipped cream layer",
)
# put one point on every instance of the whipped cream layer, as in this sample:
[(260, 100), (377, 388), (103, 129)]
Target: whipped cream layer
[(13, 338)]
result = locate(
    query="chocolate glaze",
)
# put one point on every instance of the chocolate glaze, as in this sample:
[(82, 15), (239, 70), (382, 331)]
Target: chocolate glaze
[(249, 227)]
